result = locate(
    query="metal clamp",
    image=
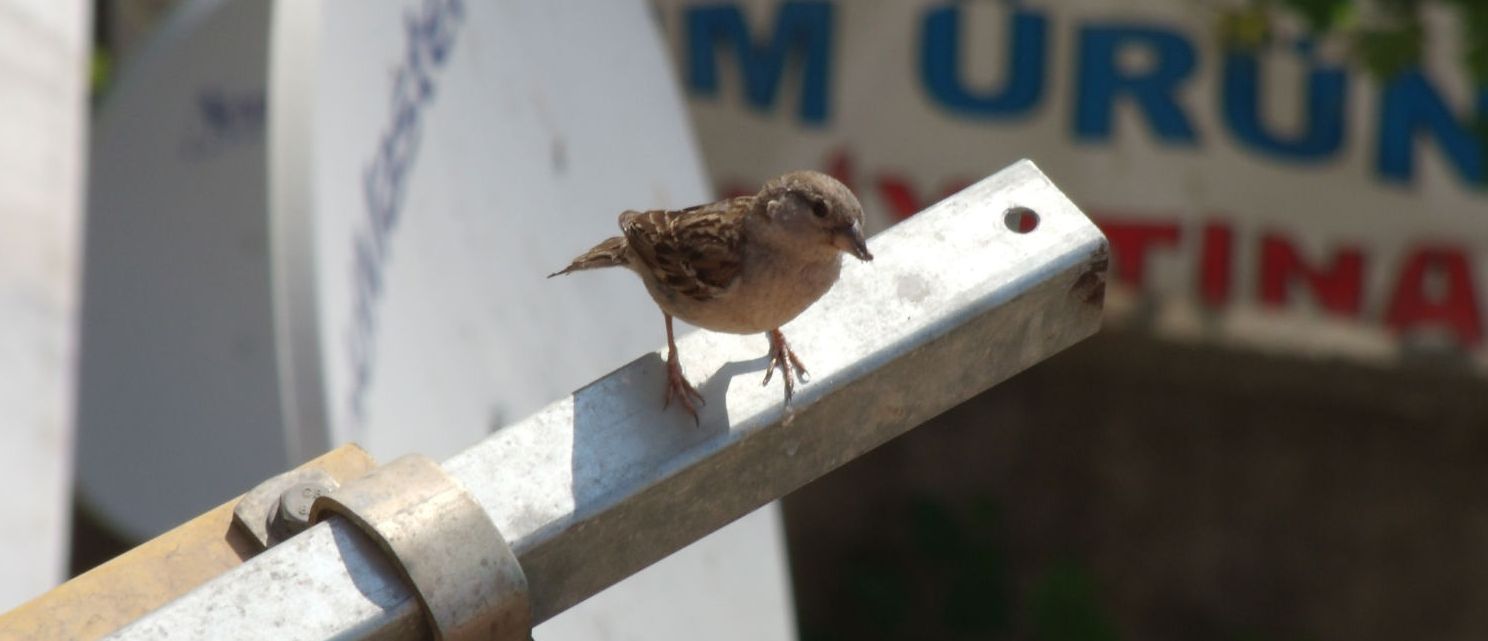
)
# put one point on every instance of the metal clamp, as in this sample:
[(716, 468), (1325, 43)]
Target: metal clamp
[(468, 582), (278, 508)]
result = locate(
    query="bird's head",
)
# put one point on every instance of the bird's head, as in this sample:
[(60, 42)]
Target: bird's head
[(816, 209)]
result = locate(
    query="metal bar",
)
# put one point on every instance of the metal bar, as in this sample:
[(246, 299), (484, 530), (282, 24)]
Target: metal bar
[(601, 484)]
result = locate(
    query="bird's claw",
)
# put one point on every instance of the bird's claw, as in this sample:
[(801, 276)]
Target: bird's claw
[(683, 391), (782, 358)]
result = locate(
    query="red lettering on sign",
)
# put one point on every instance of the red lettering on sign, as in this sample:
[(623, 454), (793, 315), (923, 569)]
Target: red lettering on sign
[(897, 193), (734, 190), (1337, 288), (1432, 286), (1216, 252), (840, 166), (1436, 290), (901, 198), (1130, 244)]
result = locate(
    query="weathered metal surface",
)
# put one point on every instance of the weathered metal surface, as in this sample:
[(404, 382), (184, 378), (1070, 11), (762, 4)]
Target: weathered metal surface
[(605, 482)]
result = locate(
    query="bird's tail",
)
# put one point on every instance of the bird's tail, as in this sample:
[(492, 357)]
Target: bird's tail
[(610, 253)]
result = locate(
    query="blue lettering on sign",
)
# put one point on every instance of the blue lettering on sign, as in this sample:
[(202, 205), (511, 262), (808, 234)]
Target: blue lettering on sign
[(1101, 81), (801, 28), (429, 32), (1411, 105), (1327, 89), (225, 118), (940, 65)]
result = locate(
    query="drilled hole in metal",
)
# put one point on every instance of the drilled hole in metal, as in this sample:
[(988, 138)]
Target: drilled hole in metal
[(1020, 219)]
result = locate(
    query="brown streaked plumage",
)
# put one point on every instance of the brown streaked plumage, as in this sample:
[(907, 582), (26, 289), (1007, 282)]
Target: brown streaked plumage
[(742, 265)]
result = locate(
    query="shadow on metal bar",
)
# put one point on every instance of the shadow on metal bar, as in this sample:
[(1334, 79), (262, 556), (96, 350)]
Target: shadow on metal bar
[(599, 485)]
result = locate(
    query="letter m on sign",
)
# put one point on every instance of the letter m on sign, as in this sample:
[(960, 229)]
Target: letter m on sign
[(802, 32)]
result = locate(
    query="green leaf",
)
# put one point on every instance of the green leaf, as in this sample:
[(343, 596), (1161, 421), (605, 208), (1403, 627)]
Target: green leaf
[(1321, 15), (1388, 52), (1247, 29)]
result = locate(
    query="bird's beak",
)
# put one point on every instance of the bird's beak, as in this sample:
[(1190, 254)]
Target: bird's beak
[(850, 240)]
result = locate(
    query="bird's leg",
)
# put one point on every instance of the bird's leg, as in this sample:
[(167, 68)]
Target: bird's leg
[(677, 384), (782, 357)]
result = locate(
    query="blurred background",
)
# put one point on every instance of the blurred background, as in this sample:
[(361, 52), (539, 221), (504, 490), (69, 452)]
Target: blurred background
[(236, 233)]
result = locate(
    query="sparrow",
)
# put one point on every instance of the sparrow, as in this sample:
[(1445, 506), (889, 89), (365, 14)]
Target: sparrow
[(741, 265)]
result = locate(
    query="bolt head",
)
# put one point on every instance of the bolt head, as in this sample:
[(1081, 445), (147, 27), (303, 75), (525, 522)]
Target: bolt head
[(295, 502)]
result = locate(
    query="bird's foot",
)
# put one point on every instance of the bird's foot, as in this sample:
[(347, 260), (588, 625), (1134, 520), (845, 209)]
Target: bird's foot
[(683, 391), (782, 358)]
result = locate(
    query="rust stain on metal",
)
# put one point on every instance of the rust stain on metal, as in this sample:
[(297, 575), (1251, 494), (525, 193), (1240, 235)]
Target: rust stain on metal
[(1090, 287)]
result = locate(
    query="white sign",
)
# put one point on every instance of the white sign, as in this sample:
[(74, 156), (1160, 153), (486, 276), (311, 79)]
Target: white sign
[(43, 97), (1286, 199)]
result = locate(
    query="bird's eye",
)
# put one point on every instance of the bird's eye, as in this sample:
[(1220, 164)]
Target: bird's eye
[(819, 208)]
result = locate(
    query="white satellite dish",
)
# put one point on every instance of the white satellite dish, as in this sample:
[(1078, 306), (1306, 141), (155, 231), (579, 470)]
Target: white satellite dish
[(361, 256)]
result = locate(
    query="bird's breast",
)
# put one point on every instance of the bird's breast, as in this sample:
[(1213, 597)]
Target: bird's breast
[(768, 293)]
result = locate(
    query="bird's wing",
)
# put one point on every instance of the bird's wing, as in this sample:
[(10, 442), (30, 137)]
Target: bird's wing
[(696, 252)]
